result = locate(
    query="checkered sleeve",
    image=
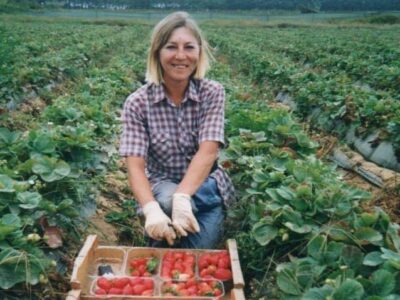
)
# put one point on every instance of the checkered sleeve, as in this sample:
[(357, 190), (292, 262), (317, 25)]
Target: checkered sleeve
[(134, 139), (212, 125)]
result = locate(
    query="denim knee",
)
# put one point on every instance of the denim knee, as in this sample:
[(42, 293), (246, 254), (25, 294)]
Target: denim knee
[(163, 192)]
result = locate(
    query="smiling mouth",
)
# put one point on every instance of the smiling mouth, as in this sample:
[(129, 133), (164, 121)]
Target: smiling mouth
[(179, 66)]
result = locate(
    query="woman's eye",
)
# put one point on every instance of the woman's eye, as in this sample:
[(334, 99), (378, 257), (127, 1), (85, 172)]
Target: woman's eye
[(170, 47)]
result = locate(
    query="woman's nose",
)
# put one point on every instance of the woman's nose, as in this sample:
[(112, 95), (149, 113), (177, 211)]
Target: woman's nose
[(180, 54)]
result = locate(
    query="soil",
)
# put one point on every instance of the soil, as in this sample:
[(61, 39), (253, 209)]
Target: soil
[(114, 192), (385, 198)]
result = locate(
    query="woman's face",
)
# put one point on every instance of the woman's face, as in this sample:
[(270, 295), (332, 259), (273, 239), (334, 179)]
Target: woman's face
[(179, 56)]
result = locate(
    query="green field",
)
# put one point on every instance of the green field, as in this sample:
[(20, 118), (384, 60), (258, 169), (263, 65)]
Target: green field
[(303, 233)]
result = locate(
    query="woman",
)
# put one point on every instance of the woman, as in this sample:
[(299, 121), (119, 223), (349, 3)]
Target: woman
[(173, 128)]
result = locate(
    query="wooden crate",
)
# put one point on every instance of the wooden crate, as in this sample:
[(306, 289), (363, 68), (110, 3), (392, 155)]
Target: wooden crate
[(92, 254)]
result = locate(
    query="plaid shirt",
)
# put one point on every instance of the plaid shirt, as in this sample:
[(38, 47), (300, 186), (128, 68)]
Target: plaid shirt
[(168, 136)]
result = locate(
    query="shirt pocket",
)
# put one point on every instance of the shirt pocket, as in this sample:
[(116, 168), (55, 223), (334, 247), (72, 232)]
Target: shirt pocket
[(192, 143), (161, 147)]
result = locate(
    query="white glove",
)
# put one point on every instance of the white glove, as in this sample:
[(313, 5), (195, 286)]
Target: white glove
[(183, 219), (158, 224)]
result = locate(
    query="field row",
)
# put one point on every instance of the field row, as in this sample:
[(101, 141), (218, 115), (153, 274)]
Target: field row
[(333, 99)]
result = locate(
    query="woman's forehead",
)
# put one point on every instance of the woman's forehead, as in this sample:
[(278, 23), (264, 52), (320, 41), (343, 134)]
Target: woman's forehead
[(182, 34)]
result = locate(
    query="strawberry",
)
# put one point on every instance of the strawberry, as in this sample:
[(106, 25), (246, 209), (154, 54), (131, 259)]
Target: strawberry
[(120, 283), (100, 292), (127, 290), (147, 293), (224, 263), (148, 284), (217, 292), (223, 274), (135, 281), (138, 289), (115, 291), (104, 284)]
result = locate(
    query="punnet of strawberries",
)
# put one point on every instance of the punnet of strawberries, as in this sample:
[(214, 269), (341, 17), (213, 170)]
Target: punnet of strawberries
[(143, 266), (124, 286), (192, 288), (215, 265), (178, 265)]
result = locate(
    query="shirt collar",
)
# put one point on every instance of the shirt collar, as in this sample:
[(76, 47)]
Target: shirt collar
[(160, 95)]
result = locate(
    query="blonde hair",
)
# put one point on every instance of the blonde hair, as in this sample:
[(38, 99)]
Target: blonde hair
[(160, 36)]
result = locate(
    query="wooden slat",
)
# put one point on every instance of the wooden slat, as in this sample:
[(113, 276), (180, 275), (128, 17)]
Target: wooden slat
[(91, 243), (238, 281), (81, 265), (232, 248), (237, 294), (74, 295)]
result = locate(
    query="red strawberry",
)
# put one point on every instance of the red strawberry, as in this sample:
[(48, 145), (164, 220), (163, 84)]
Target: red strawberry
[(100, 292), (138, 289), (223, 274), (104, 284), (147, 293), (148, 284), (224, 263), (115, 291), (135, 281), (127, 290), (120, 283)]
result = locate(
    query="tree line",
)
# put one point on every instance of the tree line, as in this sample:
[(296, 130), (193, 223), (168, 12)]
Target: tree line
[(306, 5)]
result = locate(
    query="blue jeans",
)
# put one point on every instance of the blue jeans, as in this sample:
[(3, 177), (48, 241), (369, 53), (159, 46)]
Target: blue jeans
[(207, 208)]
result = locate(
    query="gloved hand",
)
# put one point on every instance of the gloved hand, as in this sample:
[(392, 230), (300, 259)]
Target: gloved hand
[(183, 219), (158, 224)]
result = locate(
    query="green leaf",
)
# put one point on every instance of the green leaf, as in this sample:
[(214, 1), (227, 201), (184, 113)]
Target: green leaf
[(352, 257), (29, 200), (6, 230), (349, 290), (368, 219), (51, 169), (373, 259), (333, 253), (367, 235), (21, 267), (317, 246), (260, 176), (392, 257), (41, 143), (285, 193), (383, 283), (264, 233), (152, 264), (11, 219), (392, 236), (392, 297), (6, 184), (7, 137), (338, 232), (273, 194), (287, 282), (318, 293), (299, 229), (389, 254)]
